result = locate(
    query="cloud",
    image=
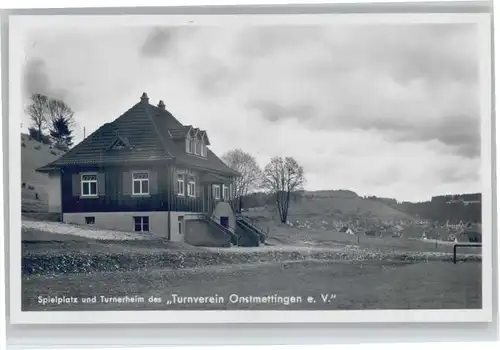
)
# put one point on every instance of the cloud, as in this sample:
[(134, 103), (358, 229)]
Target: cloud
[(257, 42), (390, 110), (36, 80), (214, 77), (157, 42), (273, 111), (460, 133), (35, 77), (410, 82), (164, 41)]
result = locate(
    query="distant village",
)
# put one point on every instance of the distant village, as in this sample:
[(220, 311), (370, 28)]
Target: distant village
[(423, 229), (426, 220), (453, 230)]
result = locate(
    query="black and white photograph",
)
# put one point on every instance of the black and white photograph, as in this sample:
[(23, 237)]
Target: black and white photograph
[(249, 163)]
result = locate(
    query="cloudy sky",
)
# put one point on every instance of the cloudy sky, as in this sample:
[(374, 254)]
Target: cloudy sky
[(387, 110)]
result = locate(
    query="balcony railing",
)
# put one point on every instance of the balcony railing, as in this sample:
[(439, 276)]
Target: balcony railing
[(132, 203)]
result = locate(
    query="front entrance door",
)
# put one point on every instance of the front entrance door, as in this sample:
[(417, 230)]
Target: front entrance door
[(224, 221)]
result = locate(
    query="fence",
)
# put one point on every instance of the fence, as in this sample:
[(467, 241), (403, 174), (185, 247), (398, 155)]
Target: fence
[(463, 245)]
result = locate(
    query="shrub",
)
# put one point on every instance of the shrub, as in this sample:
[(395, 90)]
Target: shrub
[(33, 133), (45, 139), (61, 147), (37, 147)]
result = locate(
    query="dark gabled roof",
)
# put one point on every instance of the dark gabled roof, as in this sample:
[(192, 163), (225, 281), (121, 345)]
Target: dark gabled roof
[(152, 134)]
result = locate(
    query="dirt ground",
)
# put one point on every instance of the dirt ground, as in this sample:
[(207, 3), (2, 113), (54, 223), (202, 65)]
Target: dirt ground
[(349, 284), (343, 285)]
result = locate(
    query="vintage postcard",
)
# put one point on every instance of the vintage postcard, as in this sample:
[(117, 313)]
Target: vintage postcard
[(250, 168)]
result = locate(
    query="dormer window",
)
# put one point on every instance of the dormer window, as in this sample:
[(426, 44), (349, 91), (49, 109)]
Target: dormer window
[(196, 143), (118, 145)]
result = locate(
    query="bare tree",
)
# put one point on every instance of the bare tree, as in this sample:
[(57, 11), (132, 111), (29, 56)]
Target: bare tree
[(250, 177), (281, 177), (38, 113), (58, 109)]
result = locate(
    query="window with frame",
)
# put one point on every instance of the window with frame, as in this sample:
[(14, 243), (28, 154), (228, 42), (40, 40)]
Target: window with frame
[(188, 145), (180, 224), (141, 223), (203, 150), (90, 220), (89, 185), (193, 145), (140, 183), (225, 192), (216, 191), (198, 147), (191, 188), (180, 185)]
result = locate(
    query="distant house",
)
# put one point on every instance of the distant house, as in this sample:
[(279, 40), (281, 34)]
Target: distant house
[(398, 228), (145, 172), (473, 233), (455, 225), (347, 230)]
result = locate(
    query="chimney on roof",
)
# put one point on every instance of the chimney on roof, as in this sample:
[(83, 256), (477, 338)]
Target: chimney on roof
[(161, 105), (144, 97)]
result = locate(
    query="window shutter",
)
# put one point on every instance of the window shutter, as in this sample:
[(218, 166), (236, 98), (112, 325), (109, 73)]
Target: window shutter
[(101, 184), (127, 183), (153, 182), (76, 184)]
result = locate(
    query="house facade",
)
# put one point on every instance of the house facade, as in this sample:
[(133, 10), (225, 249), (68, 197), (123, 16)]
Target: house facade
[(144, 172)]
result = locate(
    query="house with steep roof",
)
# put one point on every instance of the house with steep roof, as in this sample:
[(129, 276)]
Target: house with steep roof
[(455, 224), (146, 172), (347, 230)]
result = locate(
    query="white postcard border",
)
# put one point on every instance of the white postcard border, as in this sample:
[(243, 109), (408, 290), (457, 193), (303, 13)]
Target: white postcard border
[(19, 24)]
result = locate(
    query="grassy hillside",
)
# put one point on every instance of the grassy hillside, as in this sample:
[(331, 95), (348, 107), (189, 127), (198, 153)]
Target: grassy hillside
[(326, 208), (341, 204), (34, 155)]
